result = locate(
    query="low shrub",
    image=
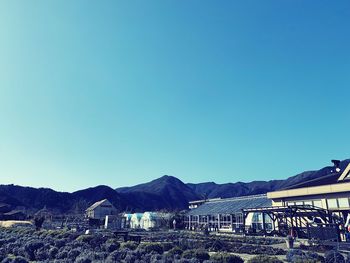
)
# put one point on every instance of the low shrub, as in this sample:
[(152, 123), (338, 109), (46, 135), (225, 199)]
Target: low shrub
[(53, 252), (188, 254), (175, 251), (294, 255), (72, 254), (110, 247), (264, 259), (226, 258), (167, 246), (152, 247), (60, 242), (82, 259), (30, 248), (85, 238), (198, 254), (334, 257), (298, 256), (117, 256), (201, 255), (14, 260), (129, 245)]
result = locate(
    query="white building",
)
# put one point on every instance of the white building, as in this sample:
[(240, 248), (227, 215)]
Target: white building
[(154, 220), (101, 209), (135, 220)]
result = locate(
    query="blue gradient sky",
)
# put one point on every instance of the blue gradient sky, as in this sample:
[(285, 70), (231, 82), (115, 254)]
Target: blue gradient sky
[(119, 93)]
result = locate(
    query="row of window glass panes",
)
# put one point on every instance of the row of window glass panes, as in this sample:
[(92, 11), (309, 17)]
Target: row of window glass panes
[(317, 203), (338, 203)]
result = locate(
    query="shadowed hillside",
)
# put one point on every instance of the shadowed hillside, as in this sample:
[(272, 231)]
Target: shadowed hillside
[(164, 193)]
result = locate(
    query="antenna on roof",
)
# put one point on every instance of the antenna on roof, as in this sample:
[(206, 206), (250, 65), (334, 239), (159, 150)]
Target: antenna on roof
[(336, 165)]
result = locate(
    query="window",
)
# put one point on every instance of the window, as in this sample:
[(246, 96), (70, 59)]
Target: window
[(343, 202), (317, 203), (298, 203), (332, 203), (308, 203)]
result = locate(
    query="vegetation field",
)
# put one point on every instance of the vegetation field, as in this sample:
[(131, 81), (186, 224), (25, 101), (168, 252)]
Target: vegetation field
[(20, 245)]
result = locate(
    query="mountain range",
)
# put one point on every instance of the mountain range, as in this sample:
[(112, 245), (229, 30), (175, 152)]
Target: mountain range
[(165, 193)]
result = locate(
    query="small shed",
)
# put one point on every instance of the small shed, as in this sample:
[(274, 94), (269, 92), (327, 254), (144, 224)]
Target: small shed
[(101, 209)]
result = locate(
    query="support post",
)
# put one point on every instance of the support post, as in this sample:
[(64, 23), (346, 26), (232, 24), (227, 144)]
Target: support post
[(218, 222), (263, 222)]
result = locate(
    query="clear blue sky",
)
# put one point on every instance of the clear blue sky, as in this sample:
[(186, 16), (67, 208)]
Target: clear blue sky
[(122, 92)]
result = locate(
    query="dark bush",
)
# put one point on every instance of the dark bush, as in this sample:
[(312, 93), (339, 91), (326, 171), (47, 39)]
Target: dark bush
[(30, 248), (97, 241), (167, 246), (201, 255), (7, 260), (83, 259), (60, 243), (53, 252), (111, 245), (226, 258), (264, 259), (334, 257), (294, 255), (188, 254), (217, 245), (62, 253), (14, 260), (175, 251), (348, 258), (313, 256), (117, 255), (85, 238), (152, 247), (72, 254), (41, 254), (129, 245), (38, 222)]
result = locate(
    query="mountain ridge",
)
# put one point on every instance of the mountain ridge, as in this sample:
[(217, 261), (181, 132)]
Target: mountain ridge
[(164, 193)]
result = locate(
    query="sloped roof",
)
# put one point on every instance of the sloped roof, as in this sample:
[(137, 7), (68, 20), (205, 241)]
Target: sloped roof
[(95, 205), (14, 212), (231, 205)]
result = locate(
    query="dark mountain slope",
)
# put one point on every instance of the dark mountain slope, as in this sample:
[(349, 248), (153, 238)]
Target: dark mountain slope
[(213, 190), (94, 194), (37, 198), (166, 192)]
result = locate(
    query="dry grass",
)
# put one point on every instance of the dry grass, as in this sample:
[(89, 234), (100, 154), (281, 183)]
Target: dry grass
[(14, 223)]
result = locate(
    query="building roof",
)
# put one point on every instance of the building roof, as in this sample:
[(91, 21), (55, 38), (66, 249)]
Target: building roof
[(203, 201), (97, 204), (231, 205), (14, 212)]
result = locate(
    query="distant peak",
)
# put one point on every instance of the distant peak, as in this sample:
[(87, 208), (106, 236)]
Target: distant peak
[(168, 178)]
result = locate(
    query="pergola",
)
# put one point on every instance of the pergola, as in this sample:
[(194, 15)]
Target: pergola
[(297, 220)]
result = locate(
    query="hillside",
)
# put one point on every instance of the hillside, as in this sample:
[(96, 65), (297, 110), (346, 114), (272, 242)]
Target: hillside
[(165, 193)]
